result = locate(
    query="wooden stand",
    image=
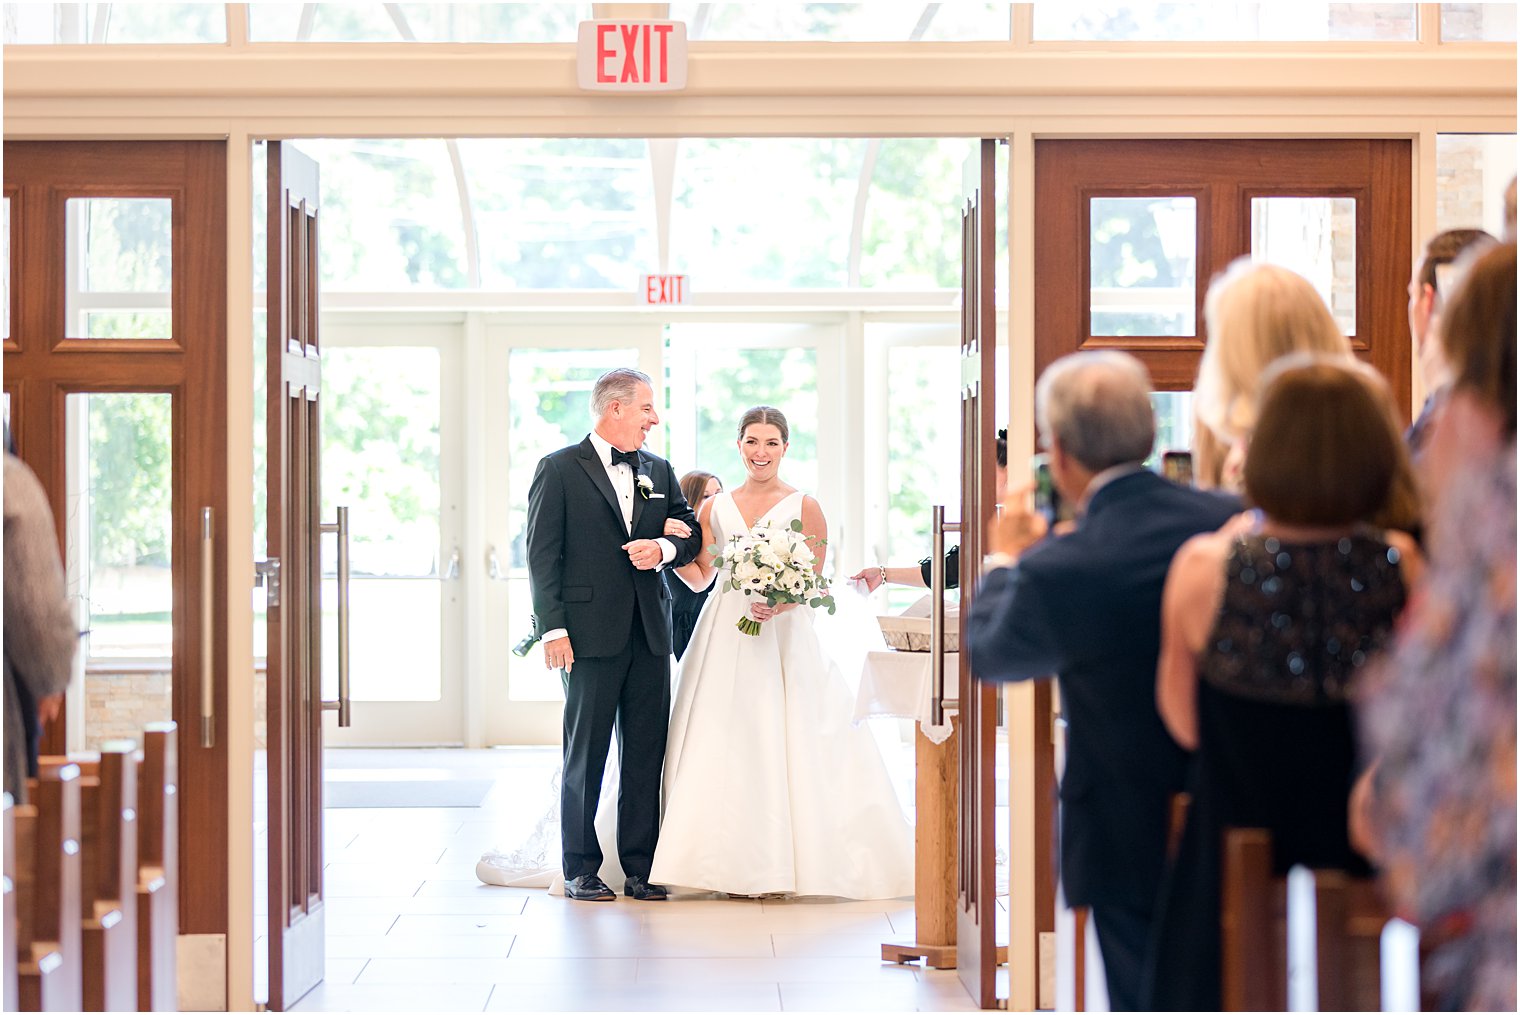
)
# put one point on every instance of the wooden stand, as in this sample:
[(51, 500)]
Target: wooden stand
[(936, 791)]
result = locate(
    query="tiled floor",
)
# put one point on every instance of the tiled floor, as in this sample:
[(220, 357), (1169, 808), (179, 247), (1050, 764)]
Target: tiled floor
[(410, 929)]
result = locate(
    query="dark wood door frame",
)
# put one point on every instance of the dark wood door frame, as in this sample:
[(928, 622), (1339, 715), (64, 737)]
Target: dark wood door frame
[(43, 366)]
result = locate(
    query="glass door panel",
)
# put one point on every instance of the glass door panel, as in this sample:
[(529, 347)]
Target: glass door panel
[(119, 541), (384, 457), (546, 372)]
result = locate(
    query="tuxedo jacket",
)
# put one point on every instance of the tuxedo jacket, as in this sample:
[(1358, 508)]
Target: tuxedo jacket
[(580, 577), (1086, 607)]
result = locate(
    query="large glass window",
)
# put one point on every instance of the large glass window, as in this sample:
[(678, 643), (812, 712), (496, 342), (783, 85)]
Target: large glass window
[(1143, 265), (912, 225), (562, 213), (858, 22), (426, 22), (391, 215), (120, 22), (1481, 22), (1224, 22), (119, 267), (1316, 237)]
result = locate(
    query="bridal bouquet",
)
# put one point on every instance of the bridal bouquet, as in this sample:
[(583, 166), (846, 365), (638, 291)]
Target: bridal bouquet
[(776, 562)]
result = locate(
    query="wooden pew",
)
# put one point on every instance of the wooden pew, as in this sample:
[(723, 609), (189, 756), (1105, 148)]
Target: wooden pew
[(47, 884), (1349, 917), (1349, 920), (158, 870), (108, 856), (1253, 924), (8, 882)]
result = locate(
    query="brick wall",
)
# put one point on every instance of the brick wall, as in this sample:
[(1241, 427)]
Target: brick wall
[(119, 703)]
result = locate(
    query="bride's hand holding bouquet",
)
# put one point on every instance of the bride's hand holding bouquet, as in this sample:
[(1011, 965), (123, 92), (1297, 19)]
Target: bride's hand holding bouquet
[(776, 562)]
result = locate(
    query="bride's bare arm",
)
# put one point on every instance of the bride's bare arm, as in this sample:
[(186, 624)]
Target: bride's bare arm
[(816, 528), (699, 573)]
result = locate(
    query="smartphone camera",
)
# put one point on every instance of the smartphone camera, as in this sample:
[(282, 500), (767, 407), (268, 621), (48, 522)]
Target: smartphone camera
[(1047, 499), (1178, 467)]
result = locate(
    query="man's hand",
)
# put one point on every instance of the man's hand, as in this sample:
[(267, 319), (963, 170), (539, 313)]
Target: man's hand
[(1018, 527), (676, 527), (48, 708), (558, 654), (645, 554), (872, 576)]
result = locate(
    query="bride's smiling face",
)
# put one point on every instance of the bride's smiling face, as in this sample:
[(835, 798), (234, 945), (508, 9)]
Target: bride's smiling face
[(762, 449)]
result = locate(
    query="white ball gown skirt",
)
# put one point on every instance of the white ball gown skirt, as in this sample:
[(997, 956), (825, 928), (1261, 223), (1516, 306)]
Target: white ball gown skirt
[(769, 785)]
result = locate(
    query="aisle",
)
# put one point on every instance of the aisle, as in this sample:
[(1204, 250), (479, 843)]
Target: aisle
[(410, 929)]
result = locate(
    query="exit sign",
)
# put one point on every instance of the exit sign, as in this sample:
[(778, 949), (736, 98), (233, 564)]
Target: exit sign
[(631, 56), (663, 290)]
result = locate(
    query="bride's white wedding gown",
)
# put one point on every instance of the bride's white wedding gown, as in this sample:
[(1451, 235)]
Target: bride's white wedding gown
[(769, 785)]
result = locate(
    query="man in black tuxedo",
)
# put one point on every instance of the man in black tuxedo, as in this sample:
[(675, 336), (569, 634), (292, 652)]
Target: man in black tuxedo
[(596, 544), (1086, 607)]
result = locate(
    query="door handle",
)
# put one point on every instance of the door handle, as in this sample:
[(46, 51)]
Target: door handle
[(938, 703), (343, 705), (493, 566), (452, 572), (208, 628)]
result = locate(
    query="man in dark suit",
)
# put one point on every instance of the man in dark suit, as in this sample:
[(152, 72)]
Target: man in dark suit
[(596, 544), (1086, 608)]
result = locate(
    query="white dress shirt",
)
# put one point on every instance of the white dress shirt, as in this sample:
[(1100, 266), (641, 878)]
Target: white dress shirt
[(622, 479)]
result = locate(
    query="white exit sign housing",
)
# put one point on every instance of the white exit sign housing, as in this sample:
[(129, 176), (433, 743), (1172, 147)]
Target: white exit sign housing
[(631, 56)]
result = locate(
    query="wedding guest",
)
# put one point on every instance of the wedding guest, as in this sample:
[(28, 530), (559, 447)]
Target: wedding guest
[(917, 576), (1086, 606), (1428, 285), (40, 638), (685, 604), (1265, 627), (1254, 313), (1439, 715)]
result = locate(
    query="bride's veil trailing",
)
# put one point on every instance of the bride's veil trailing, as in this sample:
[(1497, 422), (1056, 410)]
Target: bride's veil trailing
[(850, 633)]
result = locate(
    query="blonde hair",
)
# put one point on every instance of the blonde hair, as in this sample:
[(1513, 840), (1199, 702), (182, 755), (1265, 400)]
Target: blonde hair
[(1255, 313)]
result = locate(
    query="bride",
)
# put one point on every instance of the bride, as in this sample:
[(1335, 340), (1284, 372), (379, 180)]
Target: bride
[(769, 786)]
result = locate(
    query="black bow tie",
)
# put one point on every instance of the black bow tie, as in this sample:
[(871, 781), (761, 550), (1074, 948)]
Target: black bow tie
[(630, 458)]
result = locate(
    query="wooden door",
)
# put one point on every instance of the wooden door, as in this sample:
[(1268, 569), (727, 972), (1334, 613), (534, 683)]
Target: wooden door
[(1223, 181), (86, 322), (297, 918), (1219, 184), (976, 889)]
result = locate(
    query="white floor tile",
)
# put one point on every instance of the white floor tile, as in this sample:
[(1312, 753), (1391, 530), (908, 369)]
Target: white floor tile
[(431, 997), (635, 997), (398, 946), (498, 903), (415, 925), (342, 968), (872, 996), (559, 971), (772, 970), (860, 946), (342, 924)]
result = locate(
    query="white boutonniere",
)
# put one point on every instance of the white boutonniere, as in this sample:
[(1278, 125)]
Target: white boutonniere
[(646, 486)]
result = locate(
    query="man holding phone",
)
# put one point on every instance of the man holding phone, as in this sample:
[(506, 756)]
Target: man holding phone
[(1086, 607)]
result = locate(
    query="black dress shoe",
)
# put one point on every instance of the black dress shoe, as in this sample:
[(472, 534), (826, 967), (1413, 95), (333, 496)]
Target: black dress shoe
[(589, 888), (638, 888)]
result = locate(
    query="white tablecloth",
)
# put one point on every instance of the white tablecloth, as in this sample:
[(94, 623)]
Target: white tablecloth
[(898, 684)]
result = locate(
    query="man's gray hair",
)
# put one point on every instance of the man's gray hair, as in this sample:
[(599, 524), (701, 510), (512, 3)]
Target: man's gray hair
[(1098, 406), (619, 385)]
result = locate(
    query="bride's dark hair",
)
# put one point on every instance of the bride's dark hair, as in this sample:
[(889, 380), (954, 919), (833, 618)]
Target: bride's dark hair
[(765, 414)]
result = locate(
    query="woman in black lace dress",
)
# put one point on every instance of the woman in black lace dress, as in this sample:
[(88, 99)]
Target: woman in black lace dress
[(1265, 627)]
